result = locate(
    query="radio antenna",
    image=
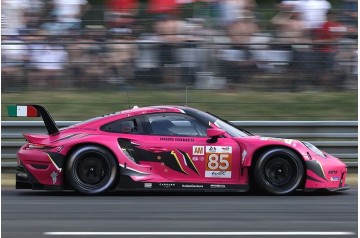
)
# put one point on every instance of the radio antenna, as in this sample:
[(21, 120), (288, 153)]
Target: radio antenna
[(127, 96)]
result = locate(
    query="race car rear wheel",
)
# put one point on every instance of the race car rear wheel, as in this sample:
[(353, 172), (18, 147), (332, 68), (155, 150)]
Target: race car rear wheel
[(278, 171), (91, 169)]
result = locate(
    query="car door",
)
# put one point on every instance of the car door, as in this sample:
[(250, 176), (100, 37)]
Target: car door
[(181, 150)]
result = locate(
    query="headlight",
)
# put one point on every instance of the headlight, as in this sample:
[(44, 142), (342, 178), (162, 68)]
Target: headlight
[(314, 149)]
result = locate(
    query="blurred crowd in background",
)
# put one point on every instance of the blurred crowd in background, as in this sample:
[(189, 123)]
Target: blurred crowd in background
[(206, 44)]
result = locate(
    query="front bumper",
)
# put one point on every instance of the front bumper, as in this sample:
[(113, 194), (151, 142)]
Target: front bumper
[(325, 173), (345, 187)]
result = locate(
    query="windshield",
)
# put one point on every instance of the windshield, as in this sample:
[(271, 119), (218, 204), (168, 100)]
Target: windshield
[(231, 130), (222, 124)]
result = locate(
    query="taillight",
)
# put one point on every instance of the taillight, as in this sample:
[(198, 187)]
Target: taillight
[(39, 146)]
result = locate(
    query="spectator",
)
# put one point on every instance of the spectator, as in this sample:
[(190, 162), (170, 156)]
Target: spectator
[(350, 17), (13, 56), (68, 14), (166, 29), (121, 13), (294, 39), (191, 55), (47, 61), (78, 59), (121, 53), (238, 62), (290, 28), (325, 37), (93, 57), (163, 6), (17, 13), (232, 10), (313, 12)]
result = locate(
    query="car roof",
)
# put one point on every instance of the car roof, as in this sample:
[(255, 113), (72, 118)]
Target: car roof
[(152, 109), (135, 111)]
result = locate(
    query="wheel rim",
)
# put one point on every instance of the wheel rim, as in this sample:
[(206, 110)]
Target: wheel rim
[(91, 171), (280, 172)]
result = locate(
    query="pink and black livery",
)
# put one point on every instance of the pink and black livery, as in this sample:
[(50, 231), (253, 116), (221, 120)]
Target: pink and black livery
[(168, 148)]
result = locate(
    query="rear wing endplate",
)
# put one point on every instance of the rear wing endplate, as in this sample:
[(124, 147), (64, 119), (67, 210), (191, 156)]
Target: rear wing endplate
[(34, 111)]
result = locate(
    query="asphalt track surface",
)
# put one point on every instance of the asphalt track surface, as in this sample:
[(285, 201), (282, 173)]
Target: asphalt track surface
[(28, 214)]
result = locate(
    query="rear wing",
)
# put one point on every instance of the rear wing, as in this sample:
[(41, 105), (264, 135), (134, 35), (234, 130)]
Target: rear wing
[(34, 111)]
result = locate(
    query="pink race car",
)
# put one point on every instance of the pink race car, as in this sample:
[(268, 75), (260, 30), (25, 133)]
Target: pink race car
[(168, 148)]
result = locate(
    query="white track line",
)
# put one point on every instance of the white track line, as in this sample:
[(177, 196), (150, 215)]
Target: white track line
[(270, 233)]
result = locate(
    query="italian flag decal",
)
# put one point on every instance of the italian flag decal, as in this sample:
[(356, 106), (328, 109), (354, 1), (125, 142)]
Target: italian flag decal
[(22, 111)]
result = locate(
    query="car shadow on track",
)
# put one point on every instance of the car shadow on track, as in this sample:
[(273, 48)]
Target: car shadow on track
[(69, 193)]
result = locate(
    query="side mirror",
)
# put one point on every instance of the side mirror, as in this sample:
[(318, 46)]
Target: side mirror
[(214, 133)]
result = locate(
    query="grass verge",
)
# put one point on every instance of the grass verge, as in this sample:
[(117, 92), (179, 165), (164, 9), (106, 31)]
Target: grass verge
[(231, 105)]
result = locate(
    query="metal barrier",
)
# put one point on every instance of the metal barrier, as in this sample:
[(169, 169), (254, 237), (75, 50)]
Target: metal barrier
[(338, 138)]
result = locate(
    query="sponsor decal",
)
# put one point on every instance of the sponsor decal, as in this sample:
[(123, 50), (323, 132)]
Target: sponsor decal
[(218, 174), (22, 111), (332, 172), (217, 186), (167, 185), (54, 177), (243, 155), (192, 186), (198, 150), (226, 149), (147, 185), (218, 160), (175, 139), (211, 148), (334, 179), (286, 141), (197, 158)]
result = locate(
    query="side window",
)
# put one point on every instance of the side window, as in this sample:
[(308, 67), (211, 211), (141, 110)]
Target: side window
[(175, 125), (127, 126)]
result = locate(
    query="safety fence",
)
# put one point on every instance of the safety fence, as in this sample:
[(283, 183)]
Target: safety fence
[(339, 138)]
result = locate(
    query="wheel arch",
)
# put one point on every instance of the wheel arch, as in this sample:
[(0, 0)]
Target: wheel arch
[(79, 145), (257, 153)]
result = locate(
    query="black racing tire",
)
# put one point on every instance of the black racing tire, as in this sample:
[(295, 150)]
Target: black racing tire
[(91, 170), (278, 171)]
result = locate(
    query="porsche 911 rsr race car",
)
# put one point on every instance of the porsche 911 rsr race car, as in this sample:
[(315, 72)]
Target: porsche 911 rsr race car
[(168, 148)]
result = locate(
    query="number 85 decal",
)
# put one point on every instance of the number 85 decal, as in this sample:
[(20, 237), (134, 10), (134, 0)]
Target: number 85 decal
[(218, 161)]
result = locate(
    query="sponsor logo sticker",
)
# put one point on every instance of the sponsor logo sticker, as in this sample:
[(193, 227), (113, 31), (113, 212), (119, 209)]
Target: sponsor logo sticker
[(217, 186), (243, 155), (218, 160), (167, 185), (147, 185), (198, 150), (54, 177), (192, 186), (332, 172), (286, 141), (197, 158)]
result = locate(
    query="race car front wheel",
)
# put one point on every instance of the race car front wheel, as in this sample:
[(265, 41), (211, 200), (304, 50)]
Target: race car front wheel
[(278, 171), (91, 169)]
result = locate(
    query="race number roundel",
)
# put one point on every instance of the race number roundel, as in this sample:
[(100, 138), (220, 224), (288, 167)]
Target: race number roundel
[(218, 161)]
